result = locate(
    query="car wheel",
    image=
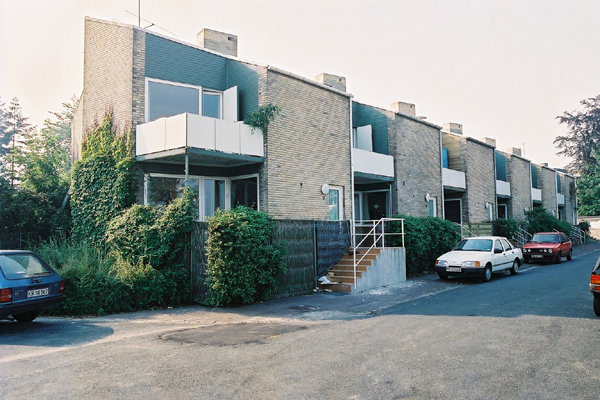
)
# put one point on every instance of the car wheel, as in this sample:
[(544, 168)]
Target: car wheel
[(26, 316), (443, 277), (558, 258), (515, 268), (596, 306), (487, 274), (570, 255)]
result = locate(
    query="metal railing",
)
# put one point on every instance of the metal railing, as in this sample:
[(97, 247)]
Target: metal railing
[(578, 234), (377, 233), (522, 237)]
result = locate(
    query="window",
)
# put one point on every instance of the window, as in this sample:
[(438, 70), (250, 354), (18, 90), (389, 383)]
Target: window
[(490, 211), (498, 246), (211, 193), (165, 99), (445, 157), (211, 104), (432, 206), (500, 166), (335, 204)]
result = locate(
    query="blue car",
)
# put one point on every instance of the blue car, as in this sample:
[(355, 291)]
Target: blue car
[(27, 285)]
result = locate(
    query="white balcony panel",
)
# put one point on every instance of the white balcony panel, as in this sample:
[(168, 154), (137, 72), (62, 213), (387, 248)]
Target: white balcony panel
[(201, 132), (191, 130), (249, 141), (372, 163), (536, 195), (228, 136), (561, 199), (153, 134), (454, 178), (503, 188), (175, 128)]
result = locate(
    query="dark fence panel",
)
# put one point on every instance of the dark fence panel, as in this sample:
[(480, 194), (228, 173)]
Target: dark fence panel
[(333, 241), (297, 237), (198, 261), (307, 243)]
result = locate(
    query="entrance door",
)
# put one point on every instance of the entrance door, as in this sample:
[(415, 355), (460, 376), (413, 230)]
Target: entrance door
[(453, 210)]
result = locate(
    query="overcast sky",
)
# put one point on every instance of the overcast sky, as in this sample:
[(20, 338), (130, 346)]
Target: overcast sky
[(502, 68)]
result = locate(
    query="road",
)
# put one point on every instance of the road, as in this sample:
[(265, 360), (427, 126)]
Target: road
[(530, 336)]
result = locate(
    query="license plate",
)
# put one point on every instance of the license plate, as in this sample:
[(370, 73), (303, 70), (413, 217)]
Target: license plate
[(536, 256), (37, 292), (453, 269)]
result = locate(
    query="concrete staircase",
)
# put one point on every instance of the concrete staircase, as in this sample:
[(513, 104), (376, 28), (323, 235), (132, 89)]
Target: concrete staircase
[(341, 276)]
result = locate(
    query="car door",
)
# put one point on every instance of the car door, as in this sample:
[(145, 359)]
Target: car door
[(499, 257)]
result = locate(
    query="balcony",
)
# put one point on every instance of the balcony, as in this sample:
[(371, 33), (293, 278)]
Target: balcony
[(560, 198), (375, 165), (208, 141), (502, 188), (453, 179), (536, 195)]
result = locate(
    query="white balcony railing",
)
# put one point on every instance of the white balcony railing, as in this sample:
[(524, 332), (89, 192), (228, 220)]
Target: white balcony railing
[(536, 195), (502, 188), (191, 130), (453, 178), (372, 163), (560, 199)]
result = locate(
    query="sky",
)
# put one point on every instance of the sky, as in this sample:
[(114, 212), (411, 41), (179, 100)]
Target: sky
[(503, 69)]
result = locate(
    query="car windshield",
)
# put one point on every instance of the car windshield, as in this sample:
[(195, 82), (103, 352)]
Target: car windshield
[(19, 266), (474, 245), (544, 238)]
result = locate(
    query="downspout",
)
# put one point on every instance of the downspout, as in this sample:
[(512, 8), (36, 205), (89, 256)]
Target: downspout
[(352, 216), (443, 205)]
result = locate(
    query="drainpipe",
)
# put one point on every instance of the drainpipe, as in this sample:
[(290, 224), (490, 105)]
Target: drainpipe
[(352, 216), (443, 205)]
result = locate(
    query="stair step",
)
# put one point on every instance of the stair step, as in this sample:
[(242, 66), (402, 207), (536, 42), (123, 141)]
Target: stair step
[(349, 273), (342, 279), (338, 267), (336, 287)]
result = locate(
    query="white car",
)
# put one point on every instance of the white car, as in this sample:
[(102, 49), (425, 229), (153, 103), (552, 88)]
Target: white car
[(478, 257)]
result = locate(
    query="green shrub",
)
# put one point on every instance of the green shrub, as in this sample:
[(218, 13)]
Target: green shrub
[(585, 227), (540, 220), (425, 239), (154, 235), (98, 283), (242, 261), (505, 227)]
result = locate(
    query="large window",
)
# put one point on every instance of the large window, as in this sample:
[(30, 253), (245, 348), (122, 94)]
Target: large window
[(211, 193), (165, 99)]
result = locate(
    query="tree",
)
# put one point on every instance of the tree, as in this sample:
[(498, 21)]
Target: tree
[(16, 128), (588, 190), (47, 161), (583, 137)]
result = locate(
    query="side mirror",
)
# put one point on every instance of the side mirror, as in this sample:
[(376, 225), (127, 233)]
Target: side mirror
[(498, 251)]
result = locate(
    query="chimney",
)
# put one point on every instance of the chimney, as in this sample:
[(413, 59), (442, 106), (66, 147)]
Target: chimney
[(452, 127), (488, 140), (404, 108), (544, 164), (217, 41), (334, 81), (514, 150)]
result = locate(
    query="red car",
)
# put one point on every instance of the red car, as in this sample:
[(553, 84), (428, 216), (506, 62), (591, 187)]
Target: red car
[(595, 287), (548, 246)]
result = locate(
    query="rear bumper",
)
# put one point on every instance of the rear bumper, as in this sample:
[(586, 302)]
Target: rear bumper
[(465, 272), (30, 305)]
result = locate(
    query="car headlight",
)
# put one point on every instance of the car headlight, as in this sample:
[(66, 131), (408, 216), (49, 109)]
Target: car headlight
[(471, 264), (526, 250), (441, 262)]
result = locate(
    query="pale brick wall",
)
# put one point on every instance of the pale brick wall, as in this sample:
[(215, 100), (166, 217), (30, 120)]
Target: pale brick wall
[(548, 186), (307, 146), (415, 147), (107, 72), (518, 173), (480, 173)]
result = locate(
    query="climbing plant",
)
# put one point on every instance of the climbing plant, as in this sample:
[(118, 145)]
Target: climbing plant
[(102, 180), (262, 117)]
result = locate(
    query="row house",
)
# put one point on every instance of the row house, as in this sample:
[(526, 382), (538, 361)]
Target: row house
[(326, 156), (482, 183)]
